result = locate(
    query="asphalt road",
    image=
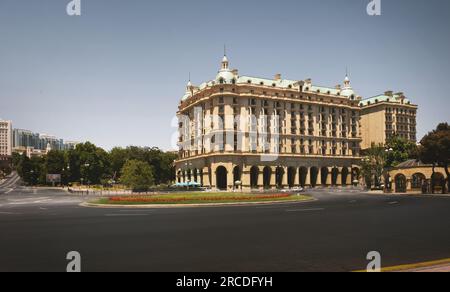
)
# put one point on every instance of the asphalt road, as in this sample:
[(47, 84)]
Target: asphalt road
[(39, 227)]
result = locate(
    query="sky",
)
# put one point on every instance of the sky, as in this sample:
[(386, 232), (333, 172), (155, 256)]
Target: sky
[(115, 75)]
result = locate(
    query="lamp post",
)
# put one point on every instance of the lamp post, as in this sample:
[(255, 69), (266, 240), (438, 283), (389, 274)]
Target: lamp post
[(189, 178), (86, 165), (388, 179)]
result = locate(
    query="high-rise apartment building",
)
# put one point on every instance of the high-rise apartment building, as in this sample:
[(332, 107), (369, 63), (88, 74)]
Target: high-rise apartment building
[(5, 139)]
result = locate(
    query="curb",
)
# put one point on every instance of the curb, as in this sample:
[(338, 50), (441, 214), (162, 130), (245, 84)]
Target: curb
[(178, 206)]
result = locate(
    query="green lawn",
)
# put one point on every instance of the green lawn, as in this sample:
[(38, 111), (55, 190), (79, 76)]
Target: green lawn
[(200, 198)]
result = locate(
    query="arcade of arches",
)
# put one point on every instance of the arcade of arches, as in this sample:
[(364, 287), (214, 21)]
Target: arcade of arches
[(418, 179), (228, 176)]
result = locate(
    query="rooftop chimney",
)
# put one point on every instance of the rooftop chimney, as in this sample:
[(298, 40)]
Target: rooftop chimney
[(389, 93), (277, 77), (235, 72)]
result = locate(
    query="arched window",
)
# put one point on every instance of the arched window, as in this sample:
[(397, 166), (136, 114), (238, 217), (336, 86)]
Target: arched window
[(417, 181)]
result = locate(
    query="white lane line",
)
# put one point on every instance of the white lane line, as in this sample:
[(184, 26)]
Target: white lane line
[(393, 203), (28, 199), (125, 215), (135, 211), (9, 213), (305, 210), (41, 201), (352, 202)]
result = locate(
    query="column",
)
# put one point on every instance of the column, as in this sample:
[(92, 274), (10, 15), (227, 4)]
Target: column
[(273, 178), (308, 178), (328, 181), (230, 177), (284, 181), (205, 177), (339, 177), (213, 177), (245, 177), (297, 177), (349, 179)]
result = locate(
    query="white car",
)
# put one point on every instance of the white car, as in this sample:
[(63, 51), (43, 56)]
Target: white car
[(298, 190), (293, 190)]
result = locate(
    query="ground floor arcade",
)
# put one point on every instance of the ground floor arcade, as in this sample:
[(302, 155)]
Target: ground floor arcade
[(250, 173), (417, 179)]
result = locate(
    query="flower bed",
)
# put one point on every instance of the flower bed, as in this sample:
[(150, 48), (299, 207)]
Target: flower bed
[(199, 198)]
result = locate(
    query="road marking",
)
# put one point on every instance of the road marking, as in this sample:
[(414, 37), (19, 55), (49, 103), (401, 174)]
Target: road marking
[(9, 213), (134, 211), (305, 210), (125, 215), (352, 202), (413, 266), (41, 201), (393, 203), (28, 199)]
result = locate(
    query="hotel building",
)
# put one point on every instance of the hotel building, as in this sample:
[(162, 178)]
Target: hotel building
[(255, 133)]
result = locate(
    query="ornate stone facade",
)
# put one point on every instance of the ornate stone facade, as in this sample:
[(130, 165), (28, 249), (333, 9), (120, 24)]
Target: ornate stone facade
[(239, 131)]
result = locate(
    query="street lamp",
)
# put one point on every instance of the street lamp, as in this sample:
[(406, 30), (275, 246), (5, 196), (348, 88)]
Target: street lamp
[(86, 165)]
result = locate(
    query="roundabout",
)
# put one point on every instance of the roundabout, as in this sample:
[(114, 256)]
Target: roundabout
[(198, 199)]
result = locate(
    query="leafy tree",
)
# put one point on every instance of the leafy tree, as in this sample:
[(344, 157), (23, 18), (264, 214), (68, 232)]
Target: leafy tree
[(118, 157), (90, 164), (31, 170), (137, 175), (93, 163), (435, 149), (373, 165), (400, 150)]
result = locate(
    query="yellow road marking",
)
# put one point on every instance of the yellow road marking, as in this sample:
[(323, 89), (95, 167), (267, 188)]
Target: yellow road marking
[(407, 267)]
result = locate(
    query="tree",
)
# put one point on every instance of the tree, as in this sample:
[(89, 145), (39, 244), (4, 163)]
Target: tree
[(31, 170), (435, 149), (373, 165), (137, 175), (118, 157), (93, 163), (400, 150)]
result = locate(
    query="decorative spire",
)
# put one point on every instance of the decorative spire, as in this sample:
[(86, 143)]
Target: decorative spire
[(225, 63), (347, 79), (189, 85)]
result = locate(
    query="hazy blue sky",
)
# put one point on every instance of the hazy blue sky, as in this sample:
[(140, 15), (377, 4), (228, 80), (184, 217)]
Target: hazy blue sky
[(115, 75)]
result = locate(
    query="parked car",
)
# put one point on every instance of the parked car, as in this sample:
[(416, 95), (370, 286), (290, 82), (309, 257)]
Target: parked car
[(293, 190)]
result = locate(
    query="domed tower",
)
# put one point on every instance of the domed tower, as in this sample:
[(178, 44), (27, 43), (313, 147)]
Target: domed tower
[(225, 75), (347, 90)]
